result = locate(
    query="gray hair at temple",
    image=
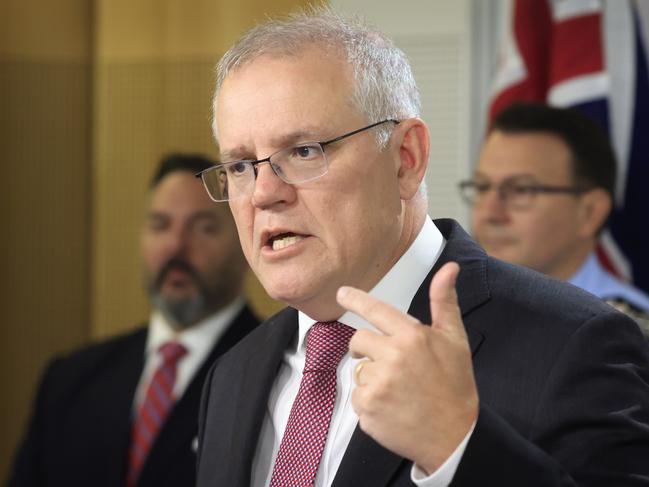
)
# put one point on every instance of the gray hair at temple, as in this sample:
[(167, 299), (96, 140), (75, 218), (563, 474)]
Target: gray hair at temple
[(384, 85)]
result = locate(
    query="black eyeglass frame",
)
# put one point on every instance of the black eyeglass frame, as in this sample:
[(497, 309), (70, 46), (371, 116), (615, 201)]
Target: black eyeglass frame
[(322, 145), (534, 189)]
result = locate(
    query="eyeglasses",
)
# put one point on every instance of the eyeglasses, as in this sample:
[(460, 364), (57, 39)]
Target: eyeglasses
[(303, 162), (516, 192)]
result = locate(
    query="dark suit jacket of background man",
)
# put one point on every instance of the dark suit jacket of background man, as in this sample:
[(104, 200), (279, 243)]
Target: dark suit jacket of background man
[(81, 427), (559, 373)]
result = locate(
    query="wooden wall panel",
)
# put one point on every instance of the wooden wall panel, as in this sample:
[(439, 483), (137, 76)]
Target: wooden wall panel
[(92, 94), (45, 96), (146, 110), (44, 140), (153, 86)]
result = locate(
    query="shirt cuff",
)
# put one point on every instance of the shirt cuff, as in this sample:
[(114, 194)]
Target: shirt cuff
[(443, 476)]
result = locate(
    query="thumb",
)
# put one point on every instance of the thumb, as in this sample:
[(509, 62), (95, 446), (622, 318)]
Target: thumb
[(444, 308)]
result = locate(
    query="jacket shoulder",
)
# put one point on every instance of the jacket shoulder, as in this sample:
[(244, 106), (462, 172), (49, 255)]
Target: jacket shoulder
[(67, 372), (98, 351), (519, 286)]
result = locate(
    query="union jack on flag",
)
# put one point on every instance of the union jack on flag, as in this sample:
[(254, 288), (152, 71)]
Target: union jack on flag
[(591, 55)]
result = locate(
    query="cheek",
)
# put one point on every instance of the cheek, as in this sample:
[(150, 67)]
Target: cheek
[(526, 225), (478, 221), (341, 221), (151, 254), (555, 219), (244, 221), (535, 220), (541, 230), (219, 262), (216, 254), (358, 230)]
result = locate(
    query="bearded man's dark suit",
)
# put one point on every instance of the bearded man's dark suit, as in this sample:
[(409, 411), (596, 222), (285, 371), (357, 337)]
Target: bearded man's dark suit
[(81, 428), (562, 378)]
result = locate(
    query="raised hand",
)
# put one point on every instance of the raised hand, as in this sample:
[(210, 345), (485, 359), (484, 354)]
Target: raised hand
[(416, 393)]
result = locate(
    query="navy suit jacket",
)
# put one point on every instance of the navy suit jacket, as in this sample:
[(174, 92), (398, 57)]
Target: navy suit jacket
[(563, 381), (80, 430)]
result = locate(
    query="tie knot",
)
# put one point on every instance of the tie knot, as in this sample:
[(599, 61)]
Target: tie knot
[(172, 351), (326, 344)]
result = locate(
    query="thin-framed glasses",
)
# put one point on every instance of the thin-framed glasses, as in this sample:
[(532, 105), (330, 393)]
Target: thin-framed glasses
[(297, 164), (516, 192)]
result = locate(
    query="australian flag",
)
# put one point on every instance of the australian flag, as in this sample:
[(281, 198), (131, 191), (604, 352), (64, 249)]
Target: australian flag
[(591, 55)]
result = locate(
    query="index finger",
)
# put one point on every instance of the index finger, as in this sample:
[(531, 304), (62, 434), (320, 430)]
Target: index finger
[(383, 316), (444, 308)]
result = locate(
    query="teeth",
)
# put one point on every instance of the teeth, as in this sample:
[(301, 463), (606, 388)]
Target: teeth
[(283, 242)]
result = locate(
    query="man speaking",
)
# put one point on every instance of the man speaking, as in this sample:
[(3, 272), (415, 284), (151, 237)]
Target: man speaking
[(380, 373)]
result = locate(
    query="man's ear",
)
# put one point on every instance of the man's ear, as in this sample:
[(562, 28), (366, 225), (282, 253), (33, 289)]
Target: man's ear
[(414, 146), (594, 209)]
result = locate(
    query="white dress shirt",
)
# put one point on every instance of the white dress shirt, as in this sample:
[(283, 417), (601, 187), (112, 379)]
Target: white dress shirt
[(197, 339), (398, 287)]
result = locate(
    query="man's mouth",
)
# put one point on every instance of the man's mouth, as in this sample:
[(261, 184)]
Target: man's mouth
[(283, 240), (177, 277), (177, 273), (496, 243)]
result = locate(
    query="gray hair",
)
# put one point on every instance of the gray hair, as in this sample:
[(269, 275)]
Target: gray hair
[(384, 86)]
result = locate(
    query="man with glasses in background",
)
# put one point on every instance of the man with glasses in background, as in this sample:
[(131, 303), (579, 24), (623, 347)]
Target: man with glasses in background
[(317, 119), (541, 195)]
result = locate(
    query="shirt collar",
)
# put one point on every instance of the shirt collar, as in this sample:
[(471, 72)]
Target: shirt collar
[(197, 338), (399, 286), (587, 274)]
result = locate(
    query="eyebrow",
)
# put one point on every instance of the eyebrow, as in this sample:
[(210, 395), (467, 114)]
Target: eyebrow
[(307, 134), (508, 177), (162, 215)]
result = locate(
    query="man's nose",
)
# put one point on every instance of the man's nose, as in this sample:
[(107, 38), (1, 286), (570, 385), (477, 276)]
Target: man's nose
[(270, 189), (492, 205), (177, 241)]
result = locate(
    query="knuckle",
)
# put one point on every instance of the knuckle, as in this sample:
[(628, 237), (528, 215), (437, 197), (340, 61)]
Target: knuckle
[(361, 335), (383, 388), (371, 312), (416, 337), (393, 357), (379, 390)]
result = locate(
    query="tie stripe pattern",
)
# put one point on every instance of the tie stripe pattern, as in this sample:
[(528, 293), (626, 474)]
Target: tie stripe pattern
[(154, 410), (306, 432)]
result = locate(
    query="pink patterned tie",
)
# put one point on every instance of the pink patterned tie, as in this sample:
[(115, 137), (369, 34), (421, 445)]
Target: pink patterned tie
[(299, 453), (154, 410)]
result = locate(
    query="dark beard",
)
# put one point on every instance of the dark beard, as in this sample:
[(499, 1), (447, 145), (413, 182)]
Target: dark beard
[(181, 312)]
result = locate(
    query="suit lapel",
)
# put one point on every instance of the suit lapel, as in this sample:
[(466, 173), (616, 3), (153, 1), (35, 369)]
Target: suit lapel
[(115, 426), (257, 379), (180, 429), (472, 289), (365, 461)]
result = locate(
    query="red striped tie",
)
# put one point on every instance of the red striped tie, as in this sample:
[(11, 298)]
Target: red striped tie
[(154, 410), (308, 424)]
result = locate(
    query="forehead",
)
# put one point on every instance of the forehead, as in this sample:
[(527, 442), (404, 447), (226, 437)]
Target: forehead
[(180, 191), (539, 154), (275, 97)]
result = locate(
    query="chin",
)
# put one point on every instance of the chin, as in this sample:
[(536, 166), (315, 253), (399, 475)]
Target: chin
[(179, 296), (288, 294), (287, 289), (499, 251)]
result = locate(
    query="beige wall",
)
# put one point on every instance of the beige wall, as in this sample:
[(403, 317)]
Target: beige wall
[(45, 112), (153, 80), (92, 94)]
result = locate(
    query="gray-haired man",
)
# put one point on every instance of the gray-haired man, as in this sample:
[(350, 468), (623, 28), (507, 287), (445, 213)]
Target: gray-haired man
[(317, 120)]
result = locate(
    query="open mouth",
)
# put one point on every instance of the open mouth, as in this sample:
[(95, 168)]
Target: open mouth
[(283, 240)]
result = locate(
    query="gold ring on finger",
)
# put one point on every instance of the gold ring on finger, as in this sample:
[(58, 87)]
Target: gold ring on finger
[(358, 369)]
